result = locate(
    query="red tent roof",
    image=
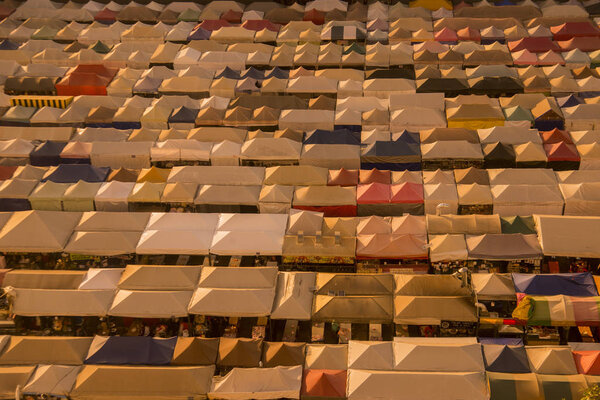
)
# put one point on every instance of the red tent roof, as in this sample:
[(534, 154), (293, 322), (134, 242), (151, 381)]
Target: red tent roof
[(317, 17), (407, 192), (212, 24), (373, 193), (342, 177), (7, 171), (323, 383), (235, 17), (561, 152), (375, 175), (570, 30), (106, 15), (533, 44), (584, 44), (260, 24), (97, 69), (556, 136)]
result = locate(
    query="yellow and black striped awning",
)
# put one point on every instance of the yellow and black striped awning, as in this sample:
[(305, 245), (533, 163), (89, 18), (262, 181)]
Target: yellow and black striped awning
[(41, 101)]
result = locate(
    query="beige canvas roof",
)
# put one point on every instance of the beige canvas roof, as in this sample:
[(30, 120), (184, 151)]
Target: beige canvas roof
[(437, 356), (353, 284), (493, 286), (271, 383), (11, 377), (45, 350), (296, 175), (554, 360), (141, 382), (37, 231), (324, 196), (361, 309), (150, 304), (159, 277), (389, 384), (568, 236), (448, 247), (428, 285), (465, 224), (370, 355), (326, 356), (294, 295), (32, 279), (44, 302), (55, 380), (425, 310)]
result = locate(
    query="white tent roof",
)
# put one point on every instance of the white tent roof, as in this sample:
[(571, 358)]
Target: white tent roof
[(437, 357), (370, 355), (258, 383), (57, 380), (150, 304), (101, 279)]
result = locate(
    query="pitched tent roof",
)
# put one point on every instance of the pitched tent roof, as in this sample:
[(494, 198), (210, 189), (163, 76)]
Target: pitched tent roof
[(195, 351), (130, 350), (576, 284), (45, 350), (259, 382), (508, 359), (139, 382), (38, 231)]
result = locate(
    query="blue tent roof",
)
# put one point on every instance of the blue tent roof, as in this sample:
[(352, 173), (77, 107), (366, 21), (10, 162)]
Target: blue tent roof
[(184, 114), (8, 45), (252, 73), (338, 136), (277, 73), (199, 34), (503, 358), (227, 73), (119, 350), (72, 173), (408, 137), (504, 341), (568, 101), (392, 149), (580, 284), (48, 153)]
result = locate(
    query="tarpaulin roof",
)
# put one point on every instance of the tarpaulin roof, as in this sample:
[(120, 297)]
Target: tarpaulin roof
[(503, 246), (45, 350), (568, 236), (503, 358), (577, 284), (131, 350), (139, 382)]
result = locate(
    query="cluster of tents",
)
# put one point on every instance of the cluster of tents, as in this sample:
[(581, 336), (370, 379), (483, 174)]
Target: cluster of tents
[(407, 368), (285, 189), (297, 237)]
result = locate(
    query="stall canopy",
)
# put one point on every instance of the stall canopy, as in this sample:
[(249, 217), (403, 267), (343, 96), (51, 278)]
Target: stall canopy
[(568, 236), (239, 352), (195, 351), (141, 382), (503, 358), (493, 286), (130, 350), (558, 310), (56, 380), (264, 383), (22, 350), (577, 284)]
